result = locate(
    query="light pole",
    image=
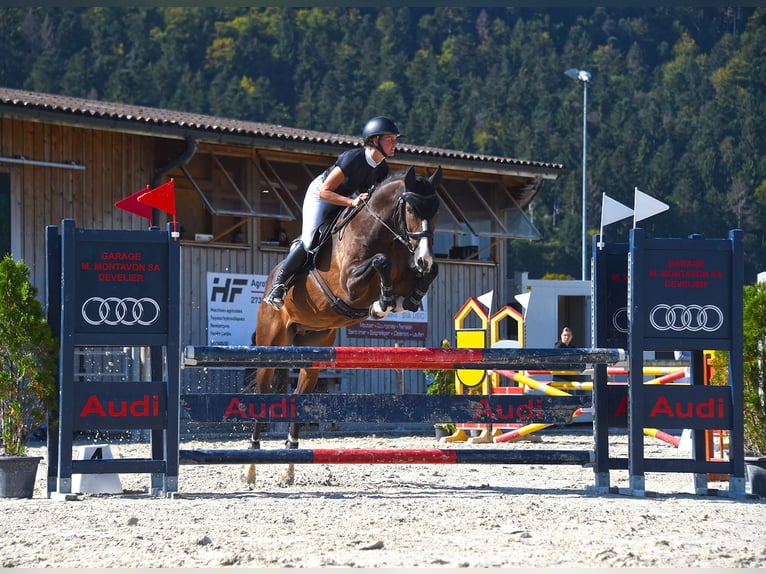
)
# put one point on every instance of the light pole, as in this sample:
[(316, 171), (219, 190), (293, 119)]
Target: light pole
[(584, 77)]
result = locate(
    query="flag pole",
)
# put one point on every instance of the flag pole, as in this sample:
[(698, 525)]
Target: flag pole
[(600, 243), (174, 234), (635, 209)]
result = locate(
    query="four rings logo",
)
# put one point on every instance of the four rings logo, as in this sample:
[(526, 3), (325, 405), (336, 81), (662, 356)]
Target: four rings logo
[(620, 320), (693, 318), (115, 311)]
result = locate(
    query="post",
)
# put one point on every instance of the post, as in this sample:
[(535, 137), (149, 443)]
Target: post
[(584, 180), (584, 77)]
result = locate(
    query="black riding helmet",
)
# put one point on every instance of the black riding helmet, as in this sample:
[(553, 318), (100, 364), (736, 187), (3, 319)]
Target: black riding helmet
[(379, 126)]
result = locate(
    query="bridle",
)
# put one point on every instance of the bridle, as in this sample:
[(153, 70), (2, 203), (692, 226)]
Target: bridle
[(399, 215)]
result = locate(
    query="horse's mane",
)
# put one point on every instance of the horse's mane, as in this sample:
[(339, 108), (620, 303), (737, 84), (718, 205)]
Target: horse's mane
[(421, 196), (392, 176), (421, 188)]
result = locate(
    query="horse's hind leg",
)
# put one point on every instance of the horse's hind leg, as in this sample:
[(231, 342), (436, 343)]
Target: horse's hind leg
[(267, 380), (306, 383), (273, 380)]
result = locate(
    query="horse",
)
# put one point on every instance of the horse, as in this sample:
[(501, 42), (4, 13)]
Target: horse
[(375, 259)]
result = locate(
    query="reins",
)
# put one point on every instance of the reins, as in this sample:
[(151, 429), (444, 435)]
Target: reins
[(403, 235)]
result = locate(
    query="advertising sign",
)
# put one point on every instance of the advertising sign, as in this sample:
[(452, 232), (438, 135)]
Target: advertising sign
[(405, 326), (121, 287), (232, 307), (687, 293), (616, 295)]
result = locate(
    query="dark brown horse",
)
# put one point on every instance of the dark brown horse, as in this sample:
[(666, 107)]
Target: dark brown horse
[(378, 260)]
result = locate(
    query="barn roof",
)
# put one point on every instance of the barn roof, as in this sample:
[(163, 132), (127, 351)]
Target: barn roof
[(171, 123)]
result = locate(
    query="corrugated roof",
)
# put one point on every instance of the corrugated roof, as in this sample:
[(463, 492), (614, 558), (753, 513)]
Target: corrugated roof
[(160, 119)]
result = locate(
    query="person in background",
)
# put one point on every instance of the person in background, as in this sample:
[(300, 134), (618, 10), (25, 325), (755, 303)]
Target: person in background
[(565, 339), (346, 183), (237, 236), (280, 236)]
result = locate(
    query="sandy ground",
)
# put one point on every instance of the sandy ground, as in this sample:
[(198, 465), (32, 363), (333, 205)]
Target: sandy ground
[(388, 516)]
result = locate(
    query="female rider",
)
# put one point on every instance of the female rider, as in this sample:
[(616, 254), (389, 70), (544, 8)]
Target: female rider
[(343, 184)]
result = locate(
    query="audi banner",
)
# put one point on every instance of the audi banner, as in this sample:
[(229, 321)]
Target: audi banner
[(685, 298), (121, 287)]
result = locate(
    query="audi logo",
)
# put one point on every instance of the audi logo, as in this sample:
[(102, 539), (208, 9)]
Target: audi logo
[(620, 320), (116, 311), (693, 318)]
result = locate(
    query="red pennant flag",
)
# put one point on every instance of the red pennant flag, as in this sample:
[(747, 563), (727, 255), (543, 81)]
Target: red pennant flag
[(162, 197), (132, 205)]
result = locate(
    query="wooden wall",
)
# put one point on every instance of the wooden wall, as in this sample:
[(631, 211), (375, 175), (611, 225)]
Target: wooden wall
[(116, 165)]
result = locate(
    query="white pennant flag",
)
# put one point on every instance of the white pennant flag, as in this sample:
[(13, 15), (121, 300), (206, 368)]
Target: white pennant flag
[(646, 206), (486, 300), (612, 210), (523, 299)]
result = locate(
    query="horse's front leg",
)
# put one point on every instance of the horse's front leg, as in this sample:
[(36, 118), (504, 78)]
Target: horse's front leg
[(382, 265), (413, 301), (251, 385)]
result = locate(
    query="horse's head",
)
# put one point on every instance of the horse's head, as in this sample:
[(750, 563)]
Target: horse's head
[(418, 206)]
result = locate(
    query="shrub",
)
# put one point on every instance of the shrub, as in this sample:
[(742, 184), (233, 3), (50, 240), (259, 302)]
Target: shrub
[(28, 353)]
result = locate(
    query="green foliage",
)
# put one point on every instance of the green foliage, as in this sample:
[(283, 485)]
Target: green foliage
[(754, 367), (28, 353), (450, 428), (442, 381), (754, 356)]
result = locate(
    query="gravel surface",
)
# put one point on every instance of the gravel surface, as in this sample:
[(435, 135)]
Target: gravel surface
[(389, 516)]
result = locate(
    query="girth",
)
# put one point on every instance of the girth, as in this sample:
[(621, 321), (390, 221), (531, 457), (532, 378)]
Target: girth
[(338, 305)]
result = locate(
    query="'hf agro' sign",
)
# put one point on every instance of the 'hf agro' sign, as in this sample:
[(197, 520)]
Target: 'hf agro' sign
[(232, 312), (232, 307)]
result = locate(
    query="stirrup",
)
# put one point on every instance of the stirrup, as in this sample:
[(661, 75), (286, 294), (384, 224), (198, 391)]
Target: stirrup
[(275, 297)]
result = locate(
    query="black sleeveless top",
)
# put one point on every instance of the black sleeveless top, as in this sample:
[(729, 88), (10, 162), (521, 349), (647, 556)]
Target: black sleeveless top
[(360, 175)]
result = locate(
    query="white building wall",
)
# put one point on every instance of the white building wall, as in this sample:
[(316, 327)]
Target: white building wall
[(541, 320)]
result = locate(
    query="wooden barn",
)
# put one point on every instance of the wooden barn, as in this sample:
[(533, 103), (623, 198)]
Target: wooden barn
[(236, 183)]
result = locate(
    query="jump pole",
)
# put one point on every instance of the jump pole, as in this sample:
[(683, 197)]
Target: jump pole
[(388, 358), (392, 357), (529, 429), (385, 456)]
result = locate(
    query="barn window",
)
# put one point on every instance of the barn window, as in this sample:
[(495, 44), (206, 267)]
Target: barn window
[(478, 213)]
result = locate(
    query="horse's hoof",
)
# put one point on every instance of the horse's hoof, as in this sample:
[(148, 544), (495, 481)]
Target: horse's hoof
[(376, 312), (291, 444), (255, 444), (287, 478), (250, 476)]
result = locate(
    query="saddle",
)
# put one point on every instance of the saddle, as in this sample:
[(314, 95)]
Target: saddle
[(322, 236), (326, 230)]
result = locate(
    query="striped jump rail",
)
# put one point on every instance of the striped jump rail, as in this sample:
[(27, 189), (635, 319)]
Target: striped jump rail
[(385, 456), (393, 357)]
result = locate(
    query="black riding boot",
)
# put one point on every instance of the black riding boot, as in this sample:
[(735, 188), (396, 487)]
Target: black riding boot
[(290, 266)]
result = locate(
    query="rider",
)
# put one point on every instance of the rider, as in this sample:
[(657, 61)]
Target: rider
[(343, 184)]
